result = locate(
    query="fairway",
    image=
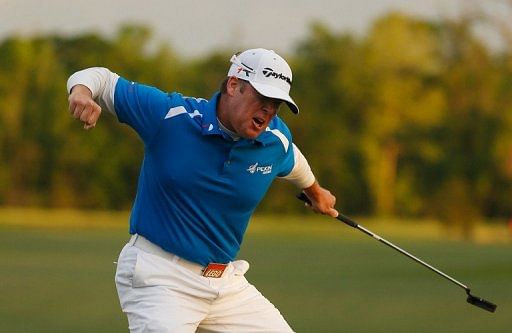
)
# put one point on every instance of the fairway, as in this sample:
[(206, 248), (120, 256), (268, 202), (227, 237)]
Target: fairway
[(324, 277)]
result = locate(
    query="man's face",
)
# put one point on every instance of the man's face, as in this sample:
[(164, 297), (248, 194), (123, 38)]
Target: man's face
[(251, 112)]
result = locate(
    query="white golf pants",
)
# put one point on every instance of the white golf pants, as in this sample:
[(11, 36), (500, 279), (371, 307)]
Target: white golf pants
[(160, 294)]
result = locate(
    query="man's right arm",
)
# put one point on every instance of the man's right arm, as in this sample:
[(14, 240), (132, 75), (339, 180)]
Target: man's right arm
[(91, 90)]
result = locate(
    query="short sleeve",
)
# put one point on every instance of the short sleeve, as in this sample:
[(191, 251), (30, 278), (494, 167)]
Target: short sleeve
[(141, 107)]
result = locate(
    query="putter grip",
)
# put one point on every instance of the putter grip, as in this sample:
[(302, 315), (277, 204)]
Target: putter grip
[(345, 219)]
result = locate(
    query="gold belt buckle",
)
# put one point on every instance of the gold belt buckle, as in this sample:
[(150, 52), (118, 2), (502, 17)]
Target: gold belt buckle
[(214, 270)]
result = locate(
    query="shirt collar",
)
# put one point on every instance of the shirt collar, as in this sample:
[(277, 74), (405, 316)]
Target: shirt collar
[(209, 123)]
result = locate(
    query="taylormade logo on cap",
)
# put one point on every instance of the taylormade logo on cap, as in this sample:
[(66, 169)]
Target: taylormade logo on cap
[(267, 72), (270, 72)]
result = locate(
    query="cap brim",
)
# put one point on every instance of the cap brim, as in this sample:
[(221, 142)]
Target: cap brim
[(273, 92)]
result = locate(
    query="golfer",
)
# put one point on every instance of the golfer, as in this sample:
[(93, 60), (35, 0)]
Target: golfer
[(207, 165)]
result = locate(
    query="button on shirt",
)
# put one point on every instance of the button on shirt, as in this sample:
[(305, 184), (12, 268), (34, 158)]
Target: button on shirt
[(197, 187)]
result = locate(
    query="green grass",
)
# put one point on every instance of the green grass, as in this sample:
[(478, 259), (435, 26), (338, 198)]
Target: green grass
[(324, 277)]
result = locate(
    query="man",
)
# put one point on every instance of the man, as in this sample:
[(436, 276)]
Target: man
[(207, 165)]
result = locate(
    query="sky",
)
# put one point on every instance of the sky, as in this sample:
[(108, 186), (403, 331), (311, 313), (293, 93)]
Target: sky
[(193, 27)]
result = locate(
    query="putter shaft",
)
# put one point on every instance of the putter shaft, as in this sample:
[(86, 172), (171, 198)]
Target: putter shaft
[(407, 254), (474, 300)]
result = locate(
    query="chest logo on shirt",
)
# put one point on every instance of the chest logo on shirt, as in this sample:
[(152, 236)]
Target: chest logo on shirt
[(256, 168)]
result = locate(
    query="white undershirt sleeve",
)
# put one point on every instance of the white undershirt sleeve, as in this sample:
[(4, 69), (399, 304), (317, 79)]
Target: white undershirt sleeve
[(101, 81), (301, 174)]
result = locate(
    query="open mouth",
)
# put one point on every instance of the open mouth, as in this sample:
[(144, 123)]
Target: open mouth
[(258, 122)]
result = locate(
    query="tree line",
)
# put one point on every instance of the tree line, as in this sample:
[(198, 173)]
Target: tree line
[(412, 119)]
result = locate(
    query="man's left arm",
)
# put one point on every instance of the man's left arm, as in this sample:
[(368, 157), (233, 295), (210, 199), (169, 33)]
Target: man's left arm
[(322, 200)]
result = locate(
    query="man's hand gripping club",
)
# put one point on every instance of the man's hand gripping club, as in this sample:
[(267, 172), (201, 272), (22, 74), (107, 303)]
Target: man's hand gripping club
[(322, 201)]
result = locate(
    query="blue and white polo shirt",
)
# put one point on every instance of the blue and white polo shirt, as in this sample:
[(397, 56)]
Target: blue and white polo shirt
[(197, 186)]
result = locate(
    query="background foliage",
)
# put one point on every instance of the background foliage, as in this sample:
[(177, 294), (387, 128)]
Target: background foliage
[(412, 119)]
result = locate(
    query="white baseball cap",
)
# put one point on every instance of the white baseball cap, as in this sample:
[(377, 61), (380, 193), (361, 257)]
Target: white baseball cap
[(267, 72)]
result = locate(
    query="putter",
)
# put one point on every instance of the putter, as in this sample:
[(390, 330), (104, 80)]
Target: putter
[(471, 299)]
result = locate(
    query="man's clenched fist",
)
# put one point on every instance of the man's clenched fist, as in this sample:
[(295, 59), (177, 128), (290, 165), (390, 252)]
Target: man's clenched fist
[(83, 107)]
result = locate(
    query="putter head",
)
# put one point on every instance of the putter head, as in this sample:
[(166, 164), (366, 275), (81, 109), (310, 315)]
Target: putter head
[(480, 302)]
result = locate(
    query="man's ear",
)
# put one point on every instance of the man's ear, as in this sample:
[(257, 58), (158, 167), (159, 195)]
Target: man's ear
[(232, 85)]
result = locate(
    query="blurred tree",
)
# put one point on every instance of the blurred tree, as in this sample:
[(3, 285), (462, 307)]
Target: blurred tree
[(494, 16), (81, 51), (405, 102), (202, 77), (31, 136), (328, 88), (15, 69), (473, 83)]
